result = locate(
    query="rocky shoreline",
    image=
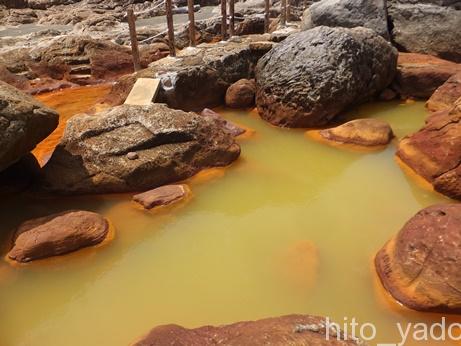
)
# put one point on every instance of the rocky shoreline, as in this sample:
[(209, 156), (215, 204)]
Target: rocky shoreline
[(342, 53)]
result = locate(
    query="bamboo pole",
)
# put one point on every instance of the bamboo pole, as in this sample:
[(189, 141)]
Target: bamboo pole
[(223, 20), (283, 13), (190, 5), (266, 15), (169, 21), (232, 17), (134, 40)]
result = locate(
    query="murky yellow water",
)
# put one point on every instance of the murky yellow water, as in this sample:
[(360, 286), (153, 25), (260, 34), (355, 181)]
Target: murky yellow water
[(292, 227)]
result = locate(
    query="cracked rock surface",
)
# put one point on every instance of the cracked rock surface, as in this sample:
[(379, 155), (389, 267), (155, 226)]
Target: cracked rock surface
[(420, 266), (95, 154)]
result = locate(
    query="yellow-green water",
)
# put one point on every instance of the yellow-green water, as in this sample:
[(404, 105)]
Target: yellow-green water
[(292, 227)]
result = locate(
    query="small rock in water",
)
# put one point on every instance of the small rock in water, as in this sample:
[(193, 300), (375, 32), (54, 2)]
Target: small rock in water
[(132, 156), (241, 94), (364, 132), (163, 195), (387, 95), (57, 234)]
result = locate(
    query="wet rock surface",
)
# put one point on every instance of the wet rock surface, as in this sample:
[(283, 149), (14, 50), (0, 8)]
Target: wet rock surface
[(429, 27), (370, 14), (313, 75), (420, 266), (446, 95), (57, 234), (434, 152), (24, 122), (227, 125), (296, 330), (419, 75), (241, 94), (161, 196), (362, 132), (171, 145)]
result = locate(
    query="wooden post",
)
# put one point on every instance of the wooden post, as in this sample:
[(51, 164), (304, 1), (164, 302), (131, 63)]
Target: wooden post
[(288, 11), (169, 21), (232, 17), (266, 15), (190, 5), (283, 13), (224, 20), (134, 40)]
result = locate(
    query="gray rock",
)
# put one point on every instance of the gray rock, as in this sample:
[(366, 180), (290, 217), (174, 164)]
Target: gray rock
[(370, 14), (171, 145), (432, 27), (24, 122), (313, 75)]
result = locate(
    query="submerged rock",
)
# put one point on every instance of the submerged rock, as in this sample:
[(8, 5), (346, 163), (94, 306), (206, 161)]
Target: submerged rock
[(421, 266), (434, 152), (371, 14), (429, 27), (24, 122), (171, 145), (419, 75), (313, 75), (57, 234), (294, 330), (363, 132), (241, 94), (162, 195)]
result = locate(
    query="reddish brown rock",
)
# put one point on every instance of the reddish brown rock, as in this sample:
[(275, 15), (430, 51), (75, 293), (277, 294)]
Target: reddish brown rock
[(419, 75), (363, 132), (434, 152), (293, 330), (421, 266), (241, 94), (229, 126), (162, 195), (446, 95), (57, 234)]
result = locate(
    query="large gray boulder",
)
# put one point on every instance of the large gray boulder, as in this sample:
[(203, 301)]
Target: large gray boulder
[(370, 14), (430, 27), (313, 75), (24, 122), (136, 148)]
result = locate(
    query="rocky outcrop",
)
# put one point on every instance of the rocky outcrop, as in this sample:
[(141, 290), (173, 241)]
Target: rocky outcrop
[(197, 79), (95, 154), (446, 95), (161, 196), (313, 75), (419, 75), (370, 14), (294, 330), (362, 132), (429, 27), (57, 234), (434, 152), (420, 266), (241, 94), (24, 122)]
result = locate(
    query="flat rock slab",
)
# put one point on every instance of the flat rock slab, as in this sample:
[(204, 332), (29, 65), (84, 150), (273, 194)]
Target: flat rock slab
[(163, 195), (363, 132), (57, 234), (421, 265), (143, 92)]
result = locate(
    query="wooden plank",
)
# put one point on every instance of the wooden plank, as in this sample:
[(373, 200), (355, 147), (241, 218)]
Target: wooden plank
[(190, 5), (134, 40), (169, 21), (144, 92)]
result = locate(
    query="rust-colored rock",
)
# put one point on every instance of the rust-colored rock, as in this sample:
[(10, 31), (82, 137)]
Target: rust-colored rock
[(57, 234), (419, 75), (227, 125), (446, 95), (241, 94), (434, 152), (293, 330), (421, 266), (363, 132), (162, 195)]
